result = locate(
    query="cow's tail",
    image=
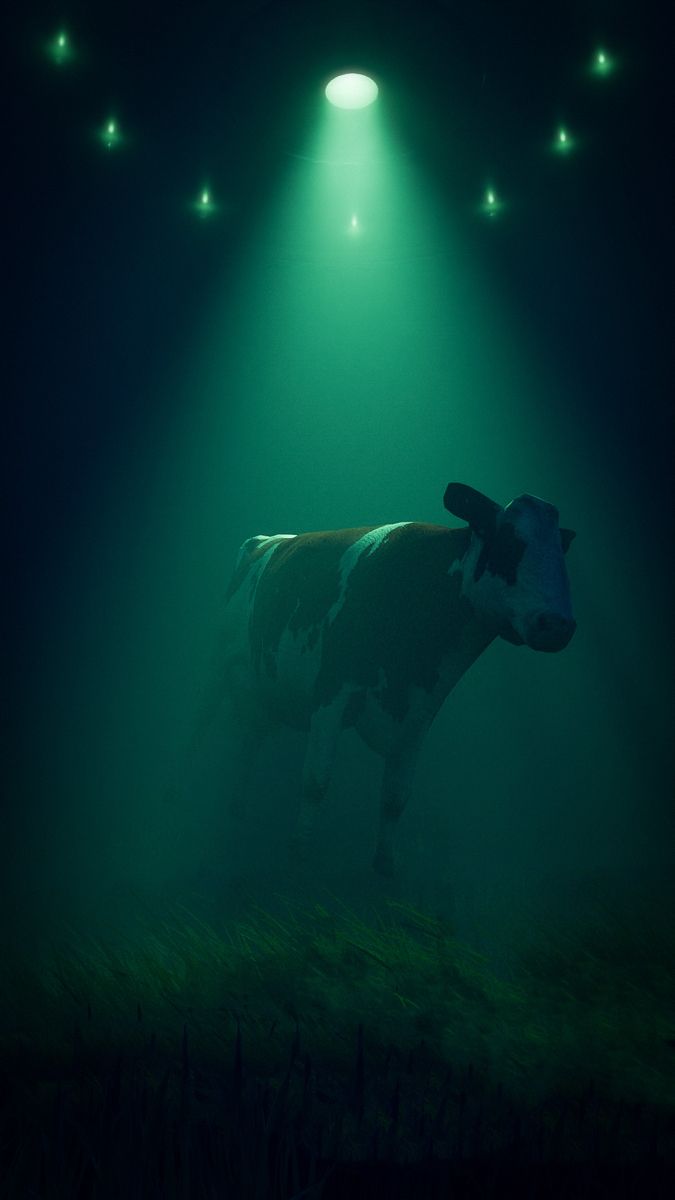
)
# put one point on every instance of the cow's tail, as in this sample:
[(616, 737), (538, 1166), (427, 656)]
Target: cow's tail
[(228, 663), (213, 707), (247, 548)]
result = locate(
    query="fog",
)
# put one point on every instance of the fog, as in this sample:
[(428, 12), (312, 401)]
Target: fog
[(194, 384)]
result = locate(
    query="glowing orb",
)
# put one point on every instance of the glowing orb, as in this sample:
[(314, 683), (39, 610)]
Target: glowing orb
[(351, 91), (110, 135), (603, 63), (60, 50), (491, 205), (205, 206), (564, 142)]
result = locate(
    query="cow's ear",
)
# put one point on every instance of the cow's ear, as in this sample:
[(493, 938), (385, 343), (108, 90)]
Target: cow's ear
[(567, 536), (472, 506)]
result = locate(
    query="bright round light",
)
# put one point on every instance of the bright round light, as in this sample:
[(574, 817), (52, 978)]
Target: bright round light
[(351, 91)]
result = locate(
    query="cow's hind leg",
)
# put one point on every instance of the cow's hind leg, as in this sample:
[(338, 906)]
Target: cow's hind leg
[(396, 786)]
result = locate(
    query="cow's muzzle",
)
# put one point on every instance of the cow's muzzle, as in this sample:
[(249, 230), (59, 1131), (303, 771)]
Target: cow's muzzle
[(550, 631)]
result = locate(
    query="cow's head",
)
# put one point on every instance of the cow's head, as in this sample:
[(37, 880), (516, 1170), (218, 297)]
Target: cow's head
[(514, 571)]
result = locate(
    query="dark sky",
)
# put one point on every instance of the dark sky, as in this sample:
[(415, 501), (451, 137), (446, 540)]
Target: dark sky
[(102, 263)]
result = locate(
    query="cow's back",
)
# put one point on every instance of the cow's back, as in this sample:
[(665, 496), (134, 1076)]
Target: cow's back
[(317, 614), (280, 595)]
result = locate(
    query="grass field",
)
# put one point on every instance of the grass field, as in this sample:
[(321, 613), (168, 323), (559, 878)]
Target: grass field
[(264, 1056)]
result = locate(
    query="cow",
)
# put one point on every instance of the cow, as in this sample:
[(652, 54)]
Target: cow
[(372, 627)]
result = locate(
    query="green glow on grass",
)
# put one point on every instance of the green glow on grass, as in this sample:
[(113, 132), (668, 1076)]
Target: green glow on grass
[(351, 91)]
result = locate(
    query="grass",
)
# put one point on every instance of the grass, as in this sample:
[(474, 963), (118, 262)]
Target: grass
[(374, 1037), (580, 1005)]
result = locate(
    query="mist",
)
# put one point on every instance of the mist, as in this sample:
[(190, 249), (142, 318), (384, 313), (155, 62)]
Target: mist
[(265, 376)]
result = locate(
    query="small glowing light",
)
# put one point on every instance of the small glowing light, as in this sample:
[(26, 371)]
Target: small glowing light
[(351, 91), (59, 49), (563, 142), (204, 206), (354, 222), (110, 134), (603, 63), (491, 205)]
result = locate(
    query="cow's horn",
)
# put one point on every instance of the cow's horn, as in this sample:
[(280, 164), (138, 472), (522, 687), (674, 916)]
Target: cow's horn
[(472, 506)]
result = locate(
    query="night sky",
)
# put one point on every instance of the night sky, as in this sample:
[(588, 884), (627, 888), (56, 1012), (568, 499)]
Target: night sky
[(110, 278)]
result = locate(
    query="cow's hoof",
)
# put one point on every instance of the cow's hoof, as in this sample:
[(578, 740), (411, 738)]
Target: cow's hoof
[(384, 865)]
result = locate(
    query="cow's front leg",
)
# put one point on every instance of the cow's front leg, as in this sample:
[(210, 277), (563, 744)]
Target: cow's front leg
[(397, 778), (317, 768)]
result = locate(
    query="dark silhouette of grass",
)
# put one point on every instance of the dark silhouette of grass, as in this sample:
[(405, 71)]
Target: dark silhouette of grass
[(314, 1053)]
